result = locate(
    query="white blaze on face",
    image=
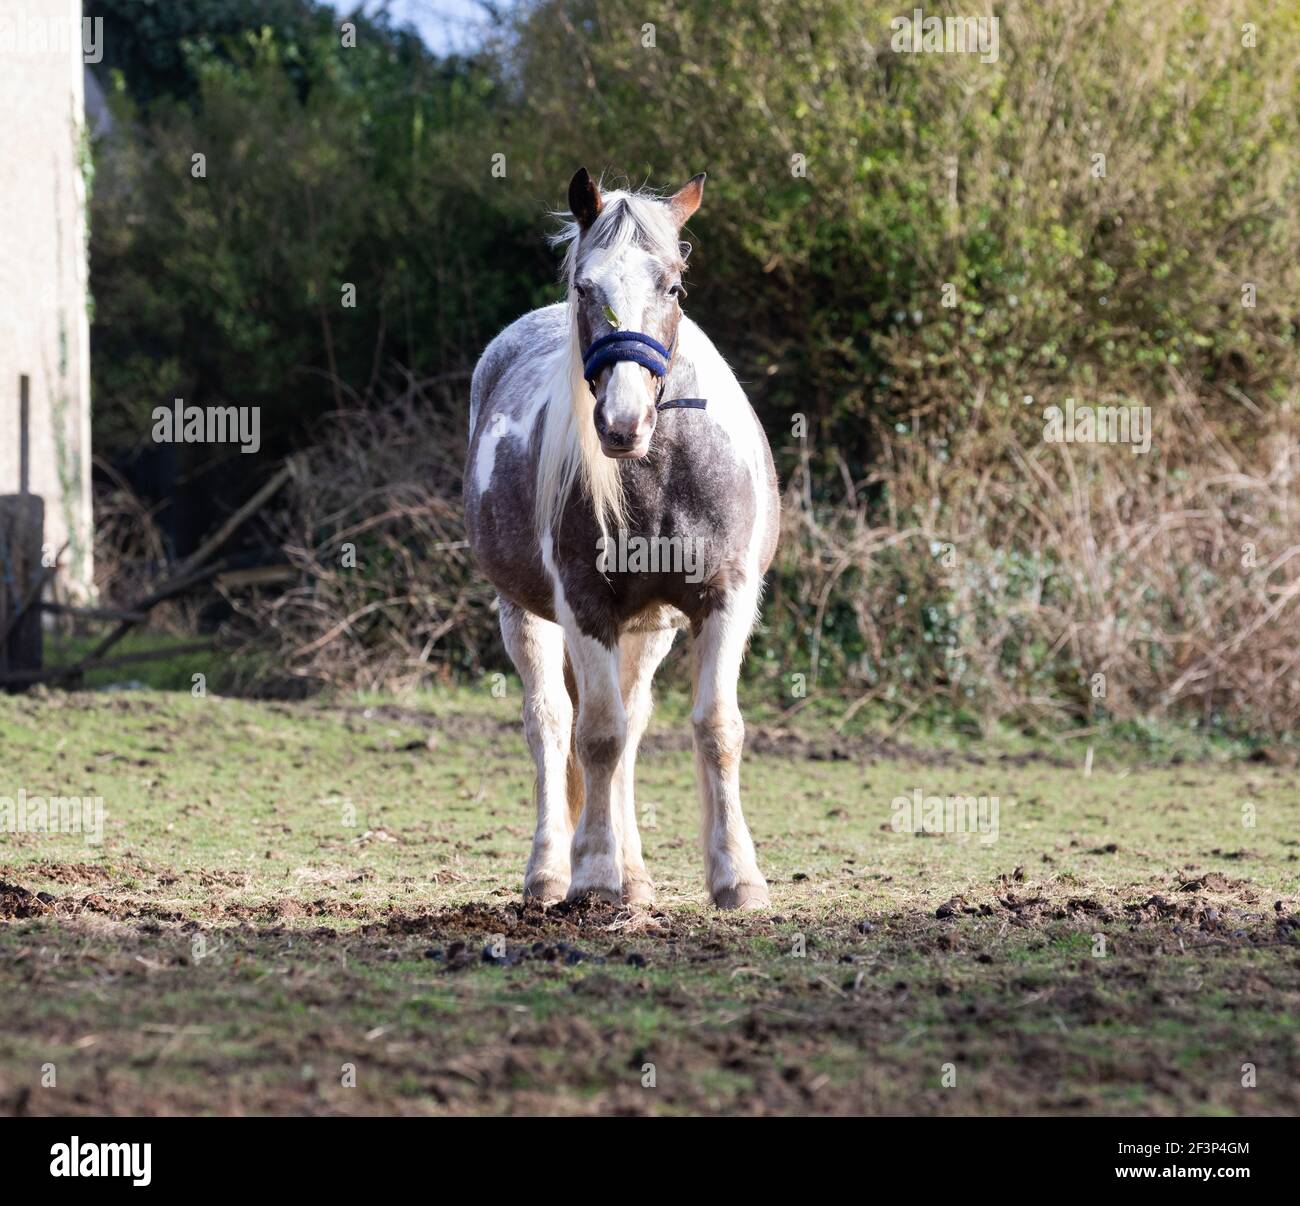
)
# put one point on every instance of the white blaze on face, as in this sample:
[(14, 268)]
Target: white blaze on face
[(626, 279), (625, 398)]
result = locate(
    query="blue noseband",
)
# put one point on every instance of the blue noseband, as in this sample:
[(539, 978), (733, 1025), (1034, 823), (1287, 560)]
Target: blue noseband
[(641, 349)]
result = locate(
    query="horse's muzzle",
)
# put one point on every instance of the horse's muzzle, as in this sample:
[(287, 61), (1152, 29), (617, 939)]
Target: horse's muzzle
[(624, 441), (627, 436)]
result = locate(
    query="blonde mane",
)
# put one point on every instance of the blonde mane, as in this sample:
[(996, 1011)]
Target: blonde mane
[(570, 449)]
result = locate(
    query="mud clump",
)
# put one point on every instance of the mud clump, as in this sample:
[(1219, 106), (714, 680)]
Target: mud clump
[(17, 902), (1213, 881), (62, 873), (519, 921), (505, 955)]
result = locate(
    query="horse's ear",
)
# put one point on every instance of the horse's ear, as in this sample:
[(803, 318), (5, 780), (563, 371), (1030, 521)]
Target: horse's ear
[(686, 200), (584, 199)]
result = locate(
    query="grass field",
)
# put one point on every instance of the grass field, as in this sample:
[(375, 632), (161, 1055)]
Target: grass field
[(310, 907)]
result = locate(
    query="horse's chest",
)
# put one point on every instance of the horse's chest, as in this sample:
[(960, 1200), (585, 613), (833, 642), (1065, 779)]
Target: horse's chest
[(684, 545), (690, 507)]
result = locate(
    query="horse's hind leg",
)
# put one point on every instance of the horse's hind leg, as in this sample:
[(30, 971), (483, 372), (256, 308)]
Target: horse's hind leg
[(639, 656), (732, 868), (536, 647)]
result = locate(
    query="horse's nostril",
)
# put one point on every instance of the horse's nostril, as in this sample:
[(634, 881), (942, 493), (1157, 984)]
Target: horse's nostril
[(614, 437)]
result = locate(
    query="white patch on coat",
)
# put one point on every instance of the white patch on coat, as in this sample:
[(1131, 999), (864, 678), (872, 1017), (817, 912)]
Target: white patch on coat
[(513, 366), (500, 427)]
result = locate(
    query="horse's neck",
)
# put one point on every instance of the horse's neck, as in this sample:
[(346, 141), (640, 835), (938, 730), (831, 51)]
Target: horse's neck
[(688, 369)]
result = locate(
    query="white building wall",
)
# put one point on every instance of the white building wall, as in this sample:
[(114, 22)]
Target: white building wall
[(44, 324)]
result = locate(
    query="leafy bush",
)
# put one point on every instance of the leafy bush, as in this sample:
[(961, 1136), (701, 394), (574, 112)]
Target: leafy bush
[(906, 257)]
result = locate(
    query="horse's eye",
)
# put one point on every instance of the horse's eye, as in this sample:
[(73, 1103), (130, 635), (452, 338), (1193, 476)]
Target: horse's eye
[(580, 290), (677, 291)]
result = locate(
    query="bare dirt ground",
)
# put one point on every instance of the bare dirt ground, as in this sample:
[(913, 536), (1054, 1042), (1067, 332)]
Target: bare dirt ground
[(299, 908)]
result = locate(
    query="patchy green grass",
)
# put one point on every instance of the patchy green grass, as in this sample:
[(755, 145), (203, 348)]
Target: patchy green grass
[(314, 908), (174, 673)]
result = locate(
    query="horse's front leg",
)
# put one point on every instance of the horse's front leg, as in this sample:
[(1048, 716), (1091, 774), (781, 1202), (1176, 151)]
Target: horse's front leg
[(597, 852), (640, 654), (536, 647), (734, 879)]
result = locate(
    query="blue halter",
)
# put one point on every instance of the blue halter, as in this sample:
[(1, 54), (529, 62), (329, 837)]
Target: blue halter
[(640, 349), (644, 350)]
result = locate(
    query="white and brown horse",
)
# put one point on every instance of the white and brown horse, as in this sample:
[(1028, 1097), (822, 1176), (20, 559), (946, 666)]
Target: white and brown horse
[(606, 423)]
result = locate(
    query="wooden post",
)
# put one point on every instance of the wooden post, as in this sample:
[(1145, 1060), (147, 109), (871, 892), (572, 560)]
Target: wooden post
[(22, 534), (22, 529), (24, 434)]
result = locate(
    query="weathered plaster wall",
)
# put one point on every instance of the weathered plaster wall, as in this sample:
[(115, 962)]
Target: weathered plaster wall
[(44, 327)]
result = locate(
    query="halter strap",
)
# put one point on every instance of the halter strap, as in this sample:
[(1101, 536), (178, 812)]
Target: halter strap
[(682, 404)]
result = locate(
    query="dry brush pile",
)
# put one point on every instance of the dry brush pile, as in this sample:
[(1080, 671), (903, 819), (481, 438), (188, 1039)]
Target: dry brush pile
[(386, 595), (1026, 580), (1002, 575)]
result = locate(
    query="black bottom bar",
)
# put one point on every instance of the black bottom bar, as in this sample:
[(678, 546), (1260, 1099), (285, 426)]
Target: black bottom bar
[(335, 1155)]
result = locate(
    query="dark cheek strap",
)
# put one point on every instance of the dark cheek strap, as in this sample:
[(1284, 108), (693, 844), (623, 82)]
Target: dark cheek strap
[(682, 404)]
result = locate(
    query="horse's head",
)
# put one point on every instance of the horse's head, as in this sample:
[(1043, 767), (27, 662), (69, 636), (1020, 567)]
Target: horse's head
[(625, 280)]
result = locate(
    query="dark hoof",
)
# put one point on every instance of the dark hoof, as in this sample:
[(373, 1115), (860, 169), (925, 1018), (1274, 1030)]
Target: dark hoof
[(743, 896)]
